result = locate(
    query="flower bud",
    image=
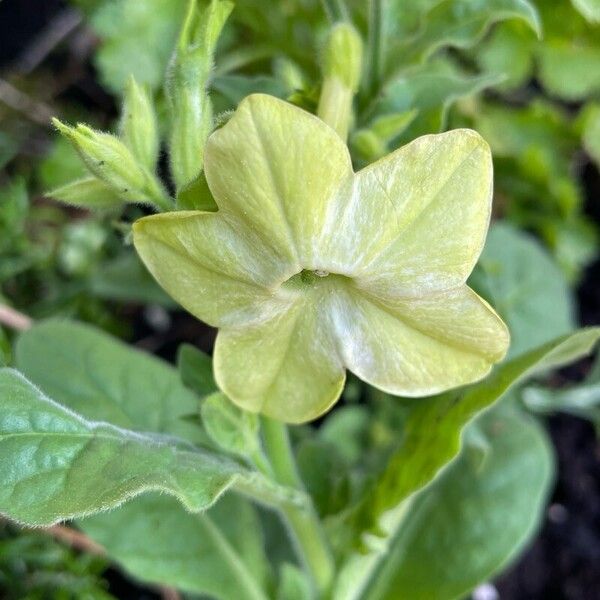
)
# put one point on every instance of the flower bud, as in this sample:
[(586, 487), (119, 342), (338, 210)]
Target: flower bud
[(342, 58), (138, 126), (187, 78), (342, 65), (109, 159)]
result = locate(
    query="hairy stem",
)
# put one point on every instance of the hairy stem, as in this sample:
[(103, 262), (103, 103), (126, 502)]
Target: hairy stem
[(303, 523)]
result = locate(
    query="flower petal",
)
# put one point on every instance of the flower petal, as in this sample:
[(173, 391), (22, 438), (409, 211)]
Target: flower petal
[(415, 221), (277, 167), (286, 367), (419, 346), (215, 267)]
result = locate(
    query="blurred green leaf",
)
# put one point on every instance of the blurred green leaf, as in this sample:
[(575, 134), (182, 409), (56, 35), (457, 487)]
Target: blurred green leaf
[(34, 566), (60, 166), (218, 552), (429, 90), (14, 206), (508, 53), (293, 584), (137, 38), (195, 370), (474, 518), (590, 9), (5, 349), (456, 23), (431, 439), (591, 132), (125, 279), (525, 286), (581, 400)]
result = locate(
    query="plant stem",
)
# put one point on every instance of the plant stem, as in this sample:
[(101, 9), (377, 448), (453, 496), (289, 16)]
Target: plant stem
[(335, 106), (14, 319), (375, 49), (304, 524)]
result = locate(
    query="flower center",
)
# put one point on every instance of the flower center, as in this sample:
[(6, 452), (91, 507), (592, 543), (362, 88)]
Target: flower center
[(307, 278)]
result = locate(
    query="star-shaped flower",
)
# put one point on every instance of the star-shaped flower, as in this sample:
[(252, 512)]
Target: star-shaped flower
[(309, 269)]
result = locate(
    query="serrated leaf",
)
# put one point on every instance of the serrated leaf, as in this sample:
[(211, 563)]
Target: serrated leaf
[(56, 465), (473, 520), (157, 541)]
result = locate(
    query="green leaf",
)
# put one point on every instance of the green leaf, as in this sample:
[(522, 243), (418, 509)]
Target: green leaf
[(14, 208), (474, 519), (218, 552), (56, 465), (137, 38), (569, 71), (508, 53), (457, 23), (124, 279), (231, 428), (107, 380), (525, 286), (195, 370), (581, 400), (60, 166), (590, 9), (432, 437), (293, 584), (5, 350), (591, 132), (431, 90)]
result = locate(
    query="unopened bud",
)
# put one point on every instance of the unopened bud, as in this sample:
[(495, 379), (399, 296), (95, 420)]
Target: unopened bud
[(187, 79), (112, 162), (342, 58), (138, 127)]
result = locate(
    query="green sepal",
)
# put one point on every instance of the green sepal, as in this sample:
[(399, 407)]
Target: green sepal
[(88, 192)]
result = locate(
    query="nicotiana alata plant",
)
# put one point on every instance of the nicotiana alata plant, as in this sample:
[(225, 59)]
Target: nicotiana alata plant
[(308, 269)]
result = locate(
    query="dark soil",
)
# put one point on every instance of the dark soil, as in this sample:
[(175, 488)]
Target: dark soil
[(564, 561)]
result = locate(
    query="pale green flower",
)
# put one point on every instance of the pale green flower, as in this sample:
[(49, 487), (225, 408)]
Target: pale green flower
[(309, 269)]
